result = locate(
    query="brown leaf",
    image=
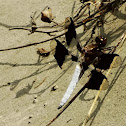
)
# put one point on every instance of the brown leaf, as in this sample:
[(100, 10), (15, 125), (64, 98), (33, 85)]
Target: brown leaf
[(46, 15), (43, 52)]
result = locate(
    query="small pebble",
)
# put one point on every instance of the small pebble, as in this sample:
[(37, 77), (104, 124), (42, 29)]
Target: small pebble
[(45, 105), (54, 88), (29, 122), (35, 101), (30, 116), (35, 96), (8, 83)]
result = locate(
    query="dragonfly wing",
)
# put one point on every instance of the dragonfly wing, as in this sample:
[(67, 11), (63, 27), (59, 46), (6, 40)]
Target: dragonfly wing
[(96, 81), (105, 60), (72, 85), (59, 51), (53, 45), (117, 61), (71, 33)]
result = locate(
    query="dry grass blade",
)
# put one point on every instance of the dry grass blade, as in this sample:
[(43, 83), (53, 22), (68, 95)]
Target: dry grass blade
[(41, 82)]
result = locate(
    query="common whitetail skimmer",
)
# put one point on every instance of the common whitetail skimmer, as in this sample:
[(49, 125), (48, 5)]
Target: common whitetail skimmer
[(93, 53)]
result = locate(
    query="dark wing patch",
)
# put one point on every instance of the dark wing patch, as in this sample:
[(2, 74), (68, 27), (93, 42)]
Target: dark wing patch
[(96, 80), (74, 58), (59, 52), (71, 33), (84, 68), (79, 48), (105, 60)]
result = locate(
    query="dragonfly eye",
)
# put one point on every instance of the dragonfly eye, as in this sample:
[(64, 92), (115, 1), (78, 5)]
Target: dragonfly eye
[(101, 41)]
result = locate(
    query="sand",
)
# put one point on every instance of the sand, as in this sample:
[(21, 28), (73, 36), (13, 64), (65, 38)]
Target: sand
[(24, 104)]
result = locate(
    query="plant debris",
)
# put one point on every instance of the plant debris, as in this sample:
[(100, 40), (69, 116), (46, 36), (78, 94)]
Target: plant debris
[(43, 52), (46, 15)]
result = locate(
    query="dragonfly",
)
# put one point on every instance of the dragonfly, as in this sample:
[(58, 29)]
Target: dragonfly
[(91, 54)]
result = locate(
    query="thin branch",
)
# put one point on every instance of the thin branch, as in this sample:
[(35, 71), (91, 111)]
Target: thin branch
[(35, 43), (35, 30), (73, 9)]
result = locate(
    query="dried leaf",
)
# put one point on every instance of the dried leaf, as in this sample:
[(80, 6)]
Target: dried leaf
[(43, 52), (46, 15)]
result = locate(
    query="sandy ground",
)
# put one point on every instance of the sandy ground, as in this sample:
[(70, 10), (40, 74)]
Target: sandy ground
[(22, 70)]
